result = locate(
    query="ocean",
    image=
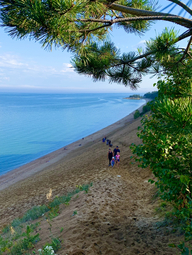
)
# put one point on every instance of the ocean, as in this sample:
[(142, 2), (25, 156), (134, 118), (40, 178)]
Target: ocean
[(33, 125)]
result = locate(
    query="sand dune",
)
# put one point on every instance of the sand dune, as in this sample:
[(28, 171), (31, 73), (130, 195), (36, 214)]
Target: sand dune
[(116, 217)]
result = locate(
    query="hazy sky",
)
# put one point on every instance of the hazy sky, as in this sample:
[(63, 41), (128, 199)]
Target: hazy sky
[(26, 67)]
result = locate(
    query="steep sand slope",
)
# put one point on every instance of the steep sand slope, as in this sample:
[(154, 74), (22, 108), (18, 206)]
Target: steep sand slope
[(117, 216)]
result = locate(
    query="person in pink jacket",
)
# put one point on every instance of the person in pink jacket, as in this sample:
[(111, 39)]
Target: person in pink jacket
[(118, 158)]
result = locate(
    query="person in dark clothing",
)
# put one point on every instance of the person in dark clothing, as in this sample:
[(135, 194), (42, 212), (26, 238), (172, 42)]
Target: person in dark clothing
[(110, 155), (115, 151), (110, 144)]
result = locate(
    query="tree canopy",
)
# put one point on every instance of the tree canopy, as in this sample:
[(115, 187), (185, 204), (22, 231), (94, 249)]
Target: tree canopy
[(83, 27)]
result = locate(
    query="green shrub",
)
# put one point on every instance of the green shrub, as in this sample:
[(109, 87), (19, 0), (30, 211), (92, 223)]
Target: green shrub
[(136, 114), (50, 249), (26, 243), (151, 95), (166, 137), (146, 108), (38, 211)]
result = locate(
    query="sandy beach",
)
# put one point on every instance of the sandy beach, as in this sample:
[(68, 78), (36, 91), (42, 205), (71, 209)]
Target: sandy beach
[(118, 215), (35, 166)]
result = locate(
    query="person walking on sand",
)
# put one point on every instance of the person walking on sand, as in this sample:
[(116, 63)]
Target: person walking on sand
[(104, 138), (112, 162), (110, 155), (118, 158), (115, 151)]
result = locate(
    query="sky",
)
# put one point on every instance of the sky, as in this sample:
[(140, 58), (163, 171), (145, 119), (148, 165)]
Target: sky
[(27, 67)]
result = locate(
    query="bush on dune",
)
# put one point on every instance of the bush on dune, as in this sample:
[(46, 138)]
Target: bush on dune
[(166, 144)]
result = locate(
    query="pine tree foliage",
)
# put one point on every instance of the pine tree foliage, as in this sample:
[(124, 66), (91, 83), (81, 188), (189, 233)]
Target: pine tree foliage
[(66, 23), (111, 64), (83, 26), (160, 54)]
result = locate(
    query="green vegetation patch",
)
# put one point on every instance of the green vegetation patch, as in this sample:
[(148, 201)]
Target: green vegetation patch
[(15, 241)]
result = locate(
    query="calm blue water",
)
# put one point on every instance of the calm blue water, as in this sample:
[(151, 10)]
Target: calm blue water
[(32, 125)]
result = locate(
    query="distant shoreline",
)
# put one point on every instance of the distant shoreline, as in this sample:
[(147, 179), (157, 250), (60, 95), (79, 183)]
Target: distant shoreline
[(133, 98), (54, 157)]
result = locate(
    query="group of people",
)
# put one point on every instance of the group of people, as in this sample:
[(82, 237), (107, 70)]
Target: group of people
[(108, 142), (114, 156)]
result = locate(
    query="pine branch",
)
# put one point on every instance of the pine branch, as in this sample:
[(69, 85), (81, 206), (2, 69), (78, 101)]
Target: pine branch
[(94, 20), (140, 56), (184, 35), (189, 55), (66, 11), (122, 62), (134, 68), (184, 6), (186, 50), (123, 68), (92, 30), (175, 19), (178, 19)]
